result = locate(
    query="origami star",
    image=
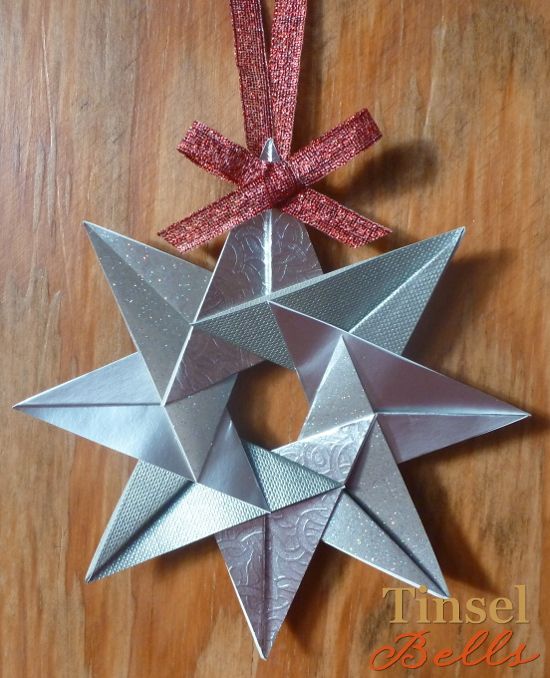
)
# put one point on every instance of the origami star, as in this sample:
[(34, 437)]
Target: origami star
[(339, 481)]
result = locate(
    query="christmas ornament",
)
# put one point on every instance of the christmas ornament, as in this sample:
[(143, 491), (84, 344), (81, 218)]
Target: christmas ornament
[(370, 408), (344, 333)]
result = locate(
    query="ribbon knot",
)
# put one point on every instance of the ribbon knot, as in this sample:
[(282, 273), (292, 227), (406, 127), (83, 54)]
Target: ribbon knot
[(268, 94), (280, 182)]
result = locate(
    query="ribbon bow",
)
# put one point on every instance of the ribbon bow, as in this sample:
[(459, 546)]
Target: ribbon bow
[(268, 94)]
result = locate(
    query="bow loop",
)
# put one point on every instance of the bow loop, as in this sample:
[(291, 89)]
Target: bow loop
[(268, 93)]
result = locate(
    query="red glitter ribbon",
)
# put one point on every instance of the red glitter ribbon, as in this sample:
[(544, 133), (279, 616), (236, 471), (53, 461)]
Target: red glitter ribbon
[(268, 93)]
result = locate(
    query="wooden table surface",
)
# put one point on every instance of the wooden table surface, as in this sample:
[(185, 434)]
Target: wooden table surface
[(95, 97)]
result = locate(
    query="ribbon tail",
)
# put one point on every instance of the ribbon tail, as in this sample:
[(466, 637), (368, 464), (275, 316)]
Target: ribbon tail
[(218, 155), (218, 217), (333, 219), (287, 36), (250, 54), (335, 148)]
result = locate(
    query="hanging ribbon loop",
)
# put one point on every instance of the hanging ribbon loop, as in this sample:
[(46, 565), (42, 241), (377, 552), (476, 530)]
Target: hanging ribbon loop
[(268, 93), (287, 37)]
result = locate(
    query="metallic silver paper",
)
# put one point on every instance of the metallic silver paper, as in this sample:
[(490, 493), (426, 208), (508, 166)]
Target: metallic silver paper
[(380, 299), (267, 559), (418, 409), (164, 404)]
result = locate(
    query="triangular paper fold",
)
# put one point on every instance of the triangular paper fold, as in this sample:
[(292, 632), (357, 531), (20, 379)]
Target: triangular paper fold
[(267, 559)]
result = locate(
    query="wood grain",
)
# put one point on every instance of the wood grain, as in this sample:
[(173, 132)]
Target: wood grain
[(95, 97)]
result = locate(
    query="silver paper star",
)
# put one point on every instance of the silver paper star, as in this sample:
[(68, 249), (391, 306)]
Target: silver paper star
[(271, 501)]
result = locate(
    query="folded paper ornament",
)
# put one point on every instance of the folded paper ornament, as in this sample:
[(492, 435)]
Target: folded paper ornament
[(268, 299), (339, 482)]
